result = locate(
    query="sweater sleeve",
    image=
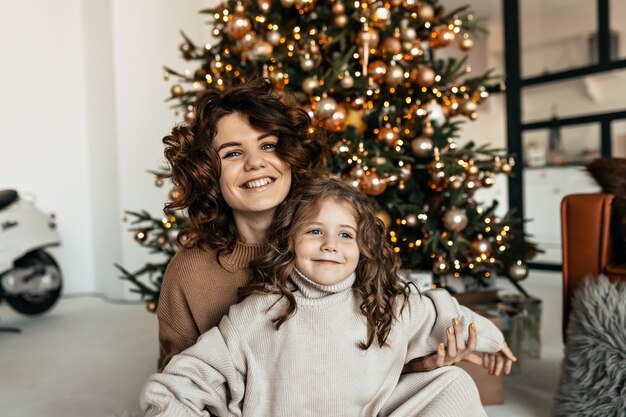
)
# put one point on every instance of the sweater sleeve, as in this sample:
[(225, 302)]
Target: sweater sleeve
[(177, 327), (438, 308), (207, 376)]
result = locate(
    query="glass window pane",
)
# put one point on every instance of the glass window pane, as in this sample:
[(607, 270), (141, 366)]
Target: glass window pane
[(567, 145), (590, 94), (617, 21), (554, 35), (618, 138)]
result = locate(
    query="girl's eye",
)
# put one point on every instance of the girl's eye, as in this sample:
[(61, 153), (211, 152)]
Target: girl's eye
[(345, 235), (314, 232), (268, 146)]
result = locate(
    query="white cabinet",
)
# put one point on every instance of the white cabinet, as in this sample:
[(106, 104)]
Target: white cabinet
[(544, 188)]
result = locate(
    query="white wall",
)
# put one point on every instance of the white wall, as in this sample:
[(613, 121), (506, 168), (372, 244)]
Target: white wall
[(83, 115), (44, 139)]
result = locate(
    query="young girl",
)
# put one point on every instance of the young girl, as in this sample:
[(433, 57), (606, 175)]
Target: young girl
[(325, 329)]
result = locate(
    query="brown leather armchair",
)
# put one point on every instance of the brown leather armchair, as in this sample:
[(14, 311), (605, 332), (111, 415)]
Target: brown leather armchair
[(587, 243)]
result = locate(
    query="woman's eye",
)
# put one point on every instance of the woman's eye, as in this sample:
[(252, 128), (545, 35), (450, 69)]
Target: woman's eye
[(231, 154), (345, 235), (268, 146), (314, 232)]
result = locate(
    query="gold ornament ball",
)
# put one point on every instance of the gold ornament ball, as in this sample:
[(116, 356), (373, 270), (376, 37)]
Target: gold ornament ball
[(357, 172), (287, 3), (273, 37), (238, 26), (488, 179), (341, 21), (482, 246), (239, 8), (372, 184), (151, 306), (310, 84), (161, 239), (426, 12), (389, 135), (174, 194), (159, 182), (338, 7), (517, 271), (469, 107), (325, 108), (190, 116), (177, 90), (466, 43), (411, 220), (472, 184), (441, 266), (441, 37), (307, 64), (377, 69), (384, 216), (455, 219), (337, 121), (428, 130), (473, 170), (506, 168), (425, 76), (347, 82), (265, 5), (408, 34), (391, 46), (422, 147), (394, 75), (369, 36), (141, 235)]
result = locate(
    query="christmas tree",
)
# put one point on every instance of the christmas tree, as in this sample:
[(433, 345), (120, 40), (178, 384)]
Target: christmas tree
[(368, 74)]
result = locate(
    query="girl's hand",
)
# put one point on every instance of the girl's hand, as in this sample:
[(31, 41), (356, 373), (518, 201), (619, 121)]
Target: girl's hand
[(457, 350), (499, 361)]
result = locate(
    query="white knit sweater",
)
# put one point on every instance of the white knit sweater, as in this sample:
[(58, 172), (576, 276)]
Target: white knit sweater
[(311, 366)]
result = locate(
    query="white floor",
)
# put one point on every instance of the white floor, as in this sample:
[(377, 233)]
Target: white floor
[(88, 358)]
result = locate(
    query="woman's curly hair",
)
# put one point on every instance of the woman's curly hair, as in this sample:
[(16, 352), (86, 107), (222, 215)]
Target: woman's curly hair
[(195, 165), (377, 283)]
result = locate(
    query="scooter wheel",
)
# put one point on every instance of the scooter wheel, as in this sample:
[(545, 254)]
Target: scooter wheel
[(34, 304)]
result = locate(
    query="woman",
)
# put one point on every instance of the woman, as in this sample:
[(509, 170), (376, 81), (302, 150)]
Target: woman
[(233, 167)]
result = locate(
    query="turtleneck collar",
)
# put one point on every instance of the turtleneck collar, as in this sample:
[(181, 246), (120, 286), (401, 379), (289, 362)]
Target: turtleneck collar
[(312, 290), (241, 256)]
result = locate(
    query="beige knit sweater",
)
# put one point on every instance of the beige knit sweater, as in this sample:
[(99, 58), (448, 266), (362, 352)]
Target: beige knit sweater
[(313, 365)]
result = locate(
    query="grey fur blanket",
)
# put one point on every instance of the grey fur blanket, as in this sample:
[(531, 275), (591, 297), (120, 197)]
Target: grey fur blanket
[(593, 375)]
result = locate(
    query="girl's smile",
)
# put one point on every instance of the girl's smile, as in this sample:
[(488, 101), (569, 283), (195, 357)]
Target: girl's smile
[(326, 245)]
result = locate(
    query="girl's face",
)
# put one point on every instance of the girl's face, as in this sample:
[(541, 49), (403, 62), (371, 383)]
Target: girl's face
[(253, 179), (326, 245)]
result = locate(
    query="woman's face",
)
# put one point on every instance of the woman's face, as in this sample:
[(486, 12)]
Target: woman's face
[(253, 179)]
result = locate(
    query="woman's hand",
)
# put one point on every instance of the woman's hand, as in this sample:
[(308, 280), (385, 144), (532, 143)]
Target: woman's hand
[(457, 349), (499, 361)]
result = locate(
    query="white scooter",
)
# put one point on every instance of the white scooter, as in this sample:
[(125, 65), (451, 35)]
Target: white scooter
[(30, 279)]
